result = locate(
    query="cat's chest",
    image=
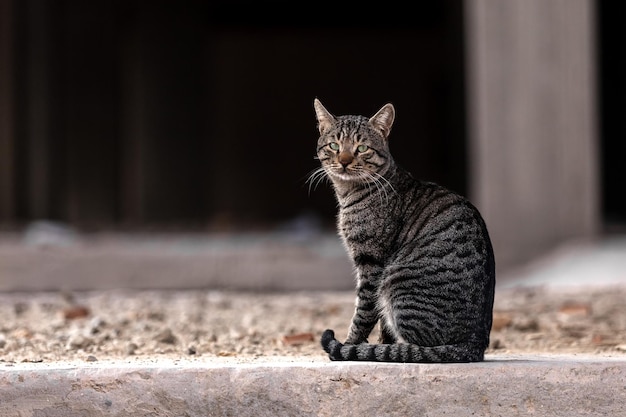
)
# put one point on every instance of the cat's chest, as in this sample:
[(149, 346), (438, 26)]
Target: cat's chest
[(371, 227)]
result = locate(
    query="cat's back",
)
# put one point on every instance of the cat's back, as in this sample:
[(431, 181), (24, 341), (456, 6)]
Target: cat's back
[(436, 203), (436, 220)]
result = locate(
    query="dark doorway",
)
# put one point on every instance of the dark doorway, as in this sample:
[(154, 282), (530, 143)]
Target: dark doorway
[(131, 113), (612, 106)]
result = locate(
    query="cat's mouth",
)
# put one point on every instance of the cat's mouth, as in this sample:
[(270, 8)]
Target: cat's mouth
[(345, 173), (344, 176)]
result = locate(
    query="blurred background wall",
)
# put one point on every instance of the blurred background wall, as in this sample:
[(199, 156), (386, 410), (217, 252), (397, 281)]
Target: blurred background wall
[(197, 115)]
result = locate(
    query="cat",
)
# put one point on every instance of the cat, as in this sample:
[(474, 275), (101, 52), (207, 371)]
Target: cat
[(424, 262)]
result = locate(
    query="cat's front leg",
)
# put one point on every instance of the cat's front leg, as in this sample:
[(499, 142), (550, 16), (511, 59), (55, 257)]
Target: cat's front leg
[(365, 313)]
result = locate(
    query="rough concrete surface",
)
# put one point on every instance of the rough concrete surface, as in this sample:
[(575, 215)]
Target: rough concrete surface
[(500, 386)]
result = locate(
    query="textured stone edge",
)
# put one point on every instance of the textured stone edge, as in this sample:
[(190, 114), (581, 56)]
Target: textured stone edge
[(541, 386)]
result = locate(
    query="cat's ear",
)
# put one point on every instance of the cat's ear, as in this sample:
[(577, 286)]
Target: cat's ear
[(383, 120), (325, 120)]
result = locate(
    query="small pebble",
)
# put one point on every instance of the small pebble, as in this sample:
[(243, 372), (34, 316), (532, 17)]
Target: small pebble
[(298, 339), (166, 336), (75, 312), (131, 348), (78, 342)]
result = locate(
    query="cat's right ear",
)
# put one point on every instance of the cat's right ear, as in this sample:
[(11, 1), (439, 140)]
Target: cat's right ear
[(325, 120)]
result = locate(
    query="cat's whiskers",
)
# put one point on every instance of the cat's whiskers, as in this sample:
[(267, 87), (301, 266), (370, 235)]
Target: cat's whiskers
[(380, 186), (316, 177), (379, 181), (385, 180), (365, 180)]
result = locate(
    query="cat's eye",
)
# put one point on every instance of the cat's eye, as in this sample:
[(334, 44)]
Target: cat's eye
[(362, 148), (334, 146)]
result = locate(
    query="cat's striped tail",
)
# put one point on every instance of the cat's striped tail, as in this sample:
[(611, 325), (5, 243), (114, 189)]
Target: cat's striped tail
[(398, 352)]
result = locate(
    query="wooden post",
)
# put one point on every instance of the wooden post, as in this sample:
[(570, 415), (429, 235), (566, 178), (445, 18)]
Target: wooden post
[(533, 145)]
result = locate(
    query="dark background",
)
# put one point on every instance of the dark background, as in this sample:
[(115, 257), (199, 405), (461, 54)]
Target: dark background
[(136, 114), (612, 109), (195, 114)]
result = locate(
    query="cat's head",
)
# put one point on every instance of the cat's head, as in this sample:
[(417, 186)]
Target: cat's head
[(354, 148)]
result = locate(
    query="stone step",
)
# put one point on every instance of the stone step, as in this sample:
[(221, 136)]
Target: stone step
[(503, 385)]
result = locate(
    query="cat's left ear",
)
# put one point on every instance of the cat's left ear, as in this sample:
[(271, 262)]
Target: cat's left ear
[(383, 120), (325, 120)]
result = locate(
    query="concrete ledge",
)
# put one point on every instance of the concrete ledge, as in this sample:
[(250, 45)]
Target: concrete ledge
[(502, 385), (246, 261)]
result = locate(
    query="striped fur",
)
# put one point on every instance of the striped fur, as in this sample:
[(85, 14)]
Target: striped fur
[(425, 269)]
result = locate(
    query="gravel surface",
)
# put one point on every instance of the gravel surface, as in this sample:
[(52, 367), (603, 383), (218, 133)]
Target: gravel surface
[(137, 325)]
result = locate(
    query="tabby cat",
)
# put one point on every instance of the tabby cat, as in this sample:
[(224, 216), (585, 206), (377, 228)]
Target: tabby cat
[(424, 262)]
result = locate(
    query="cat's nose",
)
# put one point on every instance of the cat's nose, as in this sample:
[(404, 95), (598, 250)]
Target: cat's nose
[(345, 158)]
